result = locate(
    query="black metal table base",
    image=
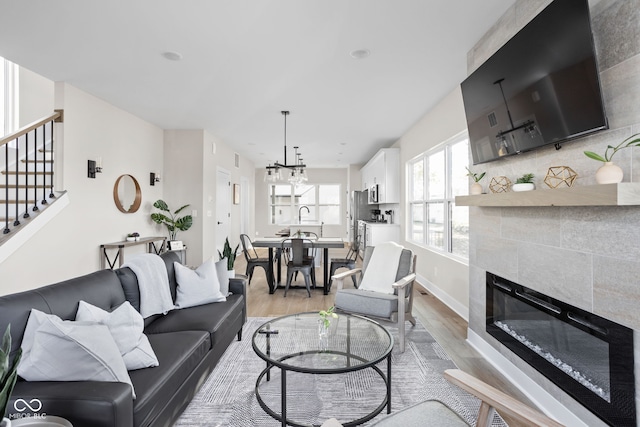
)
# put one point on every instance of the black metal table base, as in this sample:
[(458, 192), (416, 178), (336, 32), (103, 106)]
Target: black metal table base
[(282, 417)]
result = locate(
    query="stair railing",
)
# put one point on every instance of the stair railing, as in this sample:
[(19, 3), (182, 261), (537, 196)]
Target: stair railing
[(36, 132)]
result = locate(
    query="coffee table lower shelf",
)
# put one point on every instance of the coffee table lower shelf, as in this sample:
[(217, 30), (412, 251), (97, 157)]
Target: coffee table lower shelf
[(283, 388)]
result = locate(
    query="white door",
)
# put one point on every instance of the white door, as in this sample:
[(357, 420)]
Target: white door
[(223, 208), (244, 205)]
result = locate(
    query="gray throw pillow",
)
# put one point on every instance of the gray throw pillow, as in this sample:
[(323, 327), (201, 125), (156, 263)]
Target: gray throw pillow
[(197, 287), (62, 350)]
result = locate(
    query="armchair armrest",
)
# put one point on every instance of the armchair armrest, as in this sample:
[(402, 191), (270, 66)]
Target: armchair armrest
[(405, 281), (494, 398), (339, 278)]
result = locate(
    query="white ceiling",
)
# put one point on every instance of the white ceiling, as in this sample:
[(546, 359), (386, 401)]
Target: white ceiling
[(246, 60)]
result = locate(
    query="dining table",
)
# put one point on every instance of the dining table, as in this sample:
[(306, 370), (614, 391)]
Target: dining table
[(325, 243)]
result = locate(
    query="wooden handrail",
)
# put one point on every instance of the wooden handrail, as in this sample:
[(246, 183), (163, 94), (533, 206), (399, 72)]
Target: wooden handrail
[(58, 117)]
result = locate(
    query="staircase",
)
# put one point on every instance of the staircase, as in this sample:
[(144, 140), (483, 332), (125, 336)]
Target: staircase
[(26, 175)]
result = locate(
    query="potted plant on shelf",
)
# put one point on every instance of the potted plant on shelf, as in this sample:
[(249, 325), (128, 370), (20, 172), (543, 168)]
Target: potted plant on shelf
[(8, 374), (524, 183), (476, 187), (610, 173), (171, 220), (230, 256), (133, 237)]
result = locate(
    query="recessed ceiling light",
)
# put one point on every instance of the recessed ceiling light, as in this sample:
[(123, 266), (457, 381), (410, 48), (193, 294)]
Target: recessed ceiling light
[(172, 56), (360, 53)]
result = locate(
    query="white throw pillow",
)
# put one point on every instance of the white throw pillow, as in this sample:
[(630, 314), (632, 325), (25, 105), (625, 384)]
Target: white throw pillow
[(125, 325), (63, 350), (197, 287), (223, 276)]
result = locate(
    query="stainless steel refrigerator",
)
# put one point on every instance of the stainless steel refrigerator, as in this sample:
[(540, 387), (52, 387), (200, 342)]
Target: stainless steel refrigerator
[(360, 210)]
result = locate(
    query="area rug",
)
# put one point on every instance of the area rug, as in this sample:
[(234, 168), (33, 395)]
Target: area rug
[(227, 397)]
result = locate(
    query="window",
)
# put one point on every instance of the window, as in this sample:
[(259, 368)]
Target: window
[(434, 179), (8, 97), (311, 202)]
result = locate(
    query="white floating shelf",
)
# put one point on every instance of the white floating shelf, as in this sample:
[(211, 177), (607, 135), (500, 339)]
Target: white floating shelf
[(623, 194)]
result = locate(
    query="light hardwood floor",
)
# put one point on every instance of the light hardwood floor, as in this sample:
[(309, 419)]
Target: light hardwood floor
[(449, 329)]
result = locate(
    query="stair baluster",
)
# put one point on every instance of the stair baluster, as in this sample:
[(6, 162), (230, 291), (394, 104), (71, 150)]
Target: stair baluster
[(51, 195), (6, 192), (16, 221), (26, 179)]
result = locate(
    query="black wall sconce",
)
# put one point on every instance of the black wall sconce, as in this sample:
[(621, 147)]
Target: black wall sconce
[(94, 167), (153, 178)]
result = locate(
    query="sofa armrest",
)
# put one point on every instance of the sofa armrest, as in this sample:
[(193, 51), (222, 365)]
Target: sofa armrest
[(238, 286), (83, 403)]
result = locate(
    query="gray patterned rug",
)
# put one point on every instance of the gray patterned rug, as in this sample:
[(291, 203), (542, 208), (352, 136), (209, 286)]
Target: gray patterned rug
[(227, 397)]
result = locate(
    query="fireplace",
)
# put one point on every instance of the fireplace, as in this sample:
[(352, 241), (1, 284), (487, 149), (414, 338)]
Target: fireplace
[(587, 356)]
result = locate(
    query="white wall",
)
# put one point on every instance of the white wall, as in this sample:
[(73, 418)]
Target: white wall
[(36, 95), (447, 278), (69, 245)]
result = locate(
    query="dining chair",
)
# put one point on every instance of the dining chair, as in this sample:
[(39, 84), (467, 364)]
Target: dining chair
[(349, 261), (299, 259), (251, 255)]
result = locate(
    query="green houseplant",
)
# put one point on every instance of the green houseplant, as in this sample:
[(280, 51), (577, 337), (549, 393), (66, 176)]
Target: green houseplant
[(229, 254), (609, 173), (476, 187), (8, 371), (524, 183), (171, 220)]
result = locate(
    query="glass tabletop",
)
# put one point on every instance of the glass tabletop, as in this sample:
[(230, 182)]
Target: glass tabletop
[(295, 342)]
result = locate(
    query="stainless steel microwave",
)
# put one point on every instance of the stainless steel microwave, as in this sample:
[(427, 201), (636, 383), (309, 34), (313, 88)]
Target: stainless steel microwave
[(373, 194)]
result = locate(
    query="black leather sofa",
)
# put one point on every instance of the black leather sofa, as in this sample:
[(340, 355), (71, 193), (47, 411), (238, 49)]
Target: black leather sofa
[(188, 343)]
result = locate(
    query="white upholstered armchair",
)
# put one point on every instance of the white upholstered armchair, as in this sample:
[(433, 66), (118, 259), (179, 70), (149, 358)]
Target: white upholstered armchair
[(384, 287)]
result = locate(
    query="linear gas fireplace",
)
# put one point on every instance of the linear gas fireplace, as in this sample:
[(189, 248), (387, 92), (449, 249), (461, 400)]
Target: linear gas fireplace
[(587, 356)]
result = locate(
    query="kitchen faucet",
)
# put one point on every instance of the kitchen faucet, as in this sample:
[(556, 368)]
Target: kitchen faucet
[(300, 213)]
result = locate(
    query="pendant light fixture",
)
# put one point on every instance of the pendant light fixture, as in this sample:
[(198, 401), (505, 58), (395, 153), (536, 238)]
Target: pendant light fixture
[(295, 173)]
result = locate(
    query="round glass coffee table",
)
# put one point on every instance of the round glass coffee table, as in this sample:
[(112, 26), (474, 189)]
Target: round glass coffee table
[(295, 343)]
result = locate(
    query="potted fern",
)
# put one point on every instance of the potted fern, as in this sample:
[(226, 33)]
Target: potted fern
[(524, 183), (171, 220), (230, 256), (8, 374)]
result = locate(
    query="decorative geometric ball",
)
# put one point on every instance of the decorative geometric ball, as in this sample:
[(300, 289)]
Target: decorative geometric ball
[(558, 175), (499, 184)]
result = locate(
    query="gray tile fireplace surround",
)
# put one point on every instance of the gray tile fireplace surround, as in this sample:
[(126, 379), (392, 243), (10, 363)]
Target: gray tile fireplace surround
[(587, 256)]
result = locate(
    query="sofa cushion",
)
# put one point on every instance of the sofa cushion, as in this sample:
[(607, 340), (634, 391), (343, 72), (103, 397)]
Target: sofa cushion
[(212, 318), (125, 325), (197, 287), (179, 353)]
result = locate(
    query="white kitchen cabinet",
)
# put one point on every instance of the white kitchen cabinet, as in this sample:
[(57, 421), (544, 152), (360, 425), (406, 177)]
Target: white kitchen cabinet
[(378, 233), (383, 170)]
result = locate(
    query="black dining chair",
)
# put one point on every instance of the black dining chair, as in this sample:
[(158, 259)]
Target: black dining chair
[(349, 261), (299, 259), (253, 260)]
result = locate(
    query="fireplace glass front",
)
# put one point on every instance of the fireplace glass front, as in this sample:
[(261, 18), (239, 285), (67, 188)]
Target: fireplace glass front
[(589, 357)]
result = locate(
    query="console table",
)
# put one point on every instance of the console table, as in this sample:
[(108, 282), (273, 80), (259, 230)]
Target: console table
[(120, 246)]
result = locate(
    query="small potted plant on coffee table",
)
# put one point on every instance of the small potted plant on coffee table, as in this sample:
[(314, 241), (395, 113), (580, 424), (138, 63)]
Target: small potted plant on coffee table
[(524, 183)]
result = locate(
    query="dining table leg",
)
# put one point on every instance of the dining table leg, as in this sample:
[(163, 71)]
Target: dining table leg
[(325, 270), (270, 281)]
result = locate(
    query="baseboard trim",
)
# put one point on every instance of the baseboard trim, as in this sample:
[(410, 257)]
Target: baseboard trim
[(539, 396), (446, 299), (33, 226)]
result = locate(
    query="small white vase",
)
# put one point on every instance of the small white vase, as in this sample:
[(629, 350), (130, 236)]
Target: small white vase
[(526, 186), (475, 189), (232, 273), (609, 173)]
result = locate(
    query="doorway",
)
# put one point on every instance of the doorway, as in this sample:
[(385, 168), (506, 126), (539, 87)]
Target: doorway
[(223, 207)]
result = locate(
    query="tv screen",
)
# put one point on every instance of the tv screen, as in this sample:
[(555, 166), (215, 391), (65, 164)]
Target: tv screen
[(542, 87)]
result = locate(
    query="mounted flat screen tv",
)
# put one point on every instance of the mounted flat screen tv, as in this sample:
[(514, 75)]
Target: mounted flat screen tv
[(542, 87)]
